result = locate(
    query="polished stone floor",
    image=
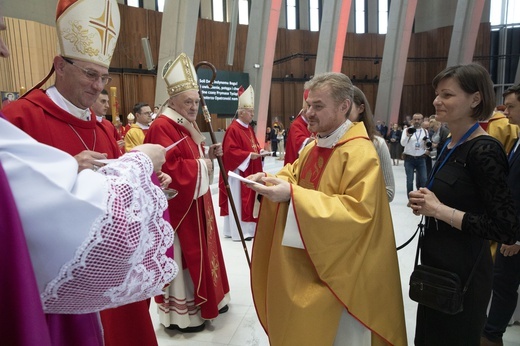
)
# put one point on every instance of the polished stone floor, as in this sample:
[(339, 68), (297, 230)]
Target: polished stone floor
[(240, 326)]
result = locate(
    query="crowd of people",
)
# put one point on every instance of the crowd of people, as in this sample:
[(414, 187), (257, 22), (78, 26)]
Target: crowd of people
[(86, 262)]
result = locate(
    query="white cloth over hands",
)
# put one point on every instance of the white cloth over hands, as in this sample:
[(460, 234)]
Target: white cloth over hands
[(96, 241)]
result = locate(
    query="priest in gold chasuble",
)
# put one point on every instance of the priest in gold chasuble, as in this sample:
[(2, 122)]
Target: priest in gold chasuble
[(324, 263)]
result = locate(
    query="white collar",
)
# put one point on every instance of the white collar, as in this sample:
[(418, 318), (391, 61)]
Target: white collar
[(182, 121), (242, 123), (66, 105), (332, 138), (143, 127)]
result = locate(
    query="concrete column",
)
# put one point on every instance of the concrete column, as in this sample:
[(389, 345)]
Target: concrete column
[(333, 34), (149, 4), (178, 34), (304, 13), (206, 9), (352, 20), (465, 31), (372, 11), (283, 15), (261, 44), (517, 76), (233, 21), (395, 53)]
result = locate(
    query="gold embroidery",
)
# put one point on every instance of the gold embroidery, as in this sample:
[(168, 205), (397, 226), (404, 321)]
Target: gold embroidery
[(80, 38), (104, 25), (253, 142), (215, 268), (211, 220)]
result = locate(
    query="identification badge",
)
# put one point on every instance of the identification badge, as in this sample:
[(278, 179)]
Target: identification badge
[(417, 146)]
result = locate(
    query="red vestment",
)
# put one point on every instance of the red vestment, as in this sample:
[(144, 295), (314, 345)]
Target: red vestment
[(192, 219), (111, 128), (124, 130), (238, 143), (37, 115), (298, 133)]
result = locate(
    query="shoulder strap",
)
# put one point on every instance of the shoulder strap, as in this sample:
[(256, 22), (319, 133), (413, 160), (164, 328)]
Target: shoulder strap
[(420, 226)]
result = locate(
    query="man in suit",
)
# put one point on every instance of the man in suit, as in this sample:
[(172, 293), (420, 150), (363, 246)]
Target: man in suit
[(382, 128), (506, 276)]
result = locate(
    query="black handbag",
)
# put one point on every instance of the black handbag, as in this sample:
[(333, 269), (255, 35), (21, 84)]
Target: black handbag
[(435, 288)]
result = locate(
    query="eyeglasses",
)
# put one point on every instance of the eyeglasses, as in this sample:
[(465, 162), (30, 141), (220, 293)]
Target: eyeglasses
[(91, 75)]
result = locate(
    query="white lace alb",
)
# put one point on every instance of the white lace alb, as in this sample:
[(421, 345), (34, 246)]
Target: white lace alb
[(123, 260)]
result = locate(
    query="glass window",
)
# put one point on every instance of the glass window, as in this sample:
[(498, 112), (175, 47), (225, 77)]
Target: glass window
[(505, 34), (291, 14), (133, 3), (160, 5), (360, 16), (314, 15), (495, 16), (513, 12), (504, 12), (383, 16), (218, 10), (243, 12)]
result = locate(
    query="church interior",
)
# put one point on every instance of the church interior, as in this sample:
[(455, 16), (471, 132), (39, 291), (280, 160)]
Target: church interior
[(391, 49)]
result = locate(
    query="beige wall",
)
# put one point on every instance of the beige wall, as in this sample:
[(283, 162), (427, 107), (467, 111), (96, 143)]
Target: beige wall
[(33, 47)]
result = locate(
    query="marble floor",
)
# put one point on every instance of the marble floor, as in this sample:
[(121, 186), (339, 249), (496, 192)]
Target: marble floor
[(240, 326)]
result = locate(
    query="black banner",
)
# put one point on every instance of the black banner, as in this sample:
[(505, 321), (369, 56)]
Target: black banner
[(222, 97)]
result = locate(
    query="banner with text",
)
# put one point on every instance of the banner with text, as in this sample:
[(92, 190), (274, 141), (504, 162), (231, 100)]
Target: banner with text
[(222, 97)]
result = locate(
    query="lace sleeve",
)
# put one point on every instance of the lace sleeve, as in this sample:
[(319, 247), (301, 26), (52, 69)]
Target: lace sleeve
[(489, 168), (123, 259)]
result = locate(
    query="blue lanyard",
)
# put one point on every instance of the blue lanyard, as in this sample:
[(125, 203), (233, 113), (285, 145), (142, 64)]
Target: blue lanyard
[(439, 166), (418, 135)]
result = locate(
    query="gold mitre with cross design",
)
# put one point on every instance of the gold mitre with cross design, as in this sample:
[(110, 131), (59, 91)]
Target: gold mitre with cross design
[(246, 98), (180, 75), (88, 29)]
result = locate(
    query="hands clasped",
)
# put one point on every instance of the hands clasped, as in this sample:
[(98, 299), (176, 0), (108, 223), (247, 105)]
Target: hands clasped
[(509, 250), (423, 202)]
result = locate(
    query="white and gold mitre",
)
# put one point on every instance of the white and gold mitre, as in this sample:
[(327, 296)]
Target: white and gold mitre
[(246, 98), (88, 29), (180, 75)]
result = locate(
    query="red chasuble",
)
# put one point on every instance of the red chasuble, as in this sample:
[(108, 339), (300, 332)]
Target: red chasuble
[(193, 220), (37, 115), (238, 143), (298, 133), (111, 129)]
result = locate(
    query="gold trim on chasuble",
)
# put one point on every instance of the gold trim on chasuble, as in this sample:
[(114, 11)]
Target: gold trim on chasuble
[(252, 139), (211, 234), (313, 167)]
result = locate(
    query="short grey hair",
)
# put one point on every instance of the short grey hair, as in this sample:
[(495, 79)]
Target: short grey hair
[(339, 85)]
